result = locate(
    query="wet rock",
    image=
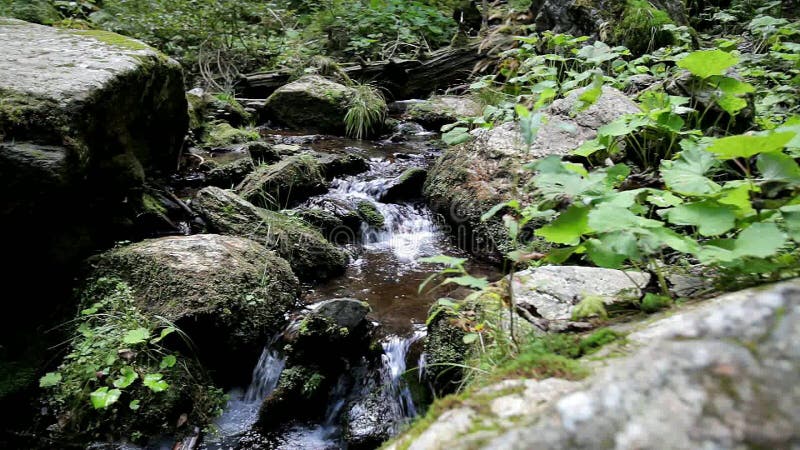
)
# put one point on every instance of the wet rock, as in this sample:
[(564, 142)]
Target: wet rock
[(284, 183), (344, 312), (370, 214), (231, 174), (719, 373), (227, 293), (338, 165), (74, 104), (551, 292), (441, 110), (263, 153), (405, 187), (309, 254), (329, 340), (445, 351), (369, 418), (311, 103), (325, 221), (469, 179), (344, 210)]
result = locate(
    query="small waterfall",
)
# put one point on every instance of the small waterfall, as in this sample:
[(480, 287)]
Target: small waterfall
[(395, 352), (265, 375), (242, 410)]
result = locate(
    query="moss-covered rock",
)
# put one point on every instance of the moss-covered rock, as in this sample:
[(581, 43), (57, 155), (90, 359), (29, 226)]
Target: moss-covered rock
[(445, 352), (325, 221), (222, 134), (311, 103), (85, 118), (230, 174), (227, 293), (441, 110), (309, 254), (282, 184), (370, 214)]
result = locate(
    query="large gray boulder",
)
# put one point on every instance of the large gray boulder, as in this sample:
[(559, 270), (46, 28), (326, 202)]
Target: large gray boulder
[(441, 110), (468, 179), (550, 293), (85, 118), (311, 103), (722, 373), (229, 294), (309, 254)]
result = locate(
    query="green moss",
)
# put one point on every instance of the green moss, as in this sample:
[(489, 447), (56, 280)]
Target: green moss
[(222, 134), (15, 376), (370, 214), (115, 40), (640, 27), (151, 204)]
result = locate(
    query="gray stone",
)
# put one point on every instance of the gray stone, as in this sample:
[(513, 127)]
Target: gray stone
[(311, 103), (284, 183), (85, 117), (230, 174), (721, 373), (310, 255), (469, 179), (441, 110), (344, 312), (227, 293), (551, 292)]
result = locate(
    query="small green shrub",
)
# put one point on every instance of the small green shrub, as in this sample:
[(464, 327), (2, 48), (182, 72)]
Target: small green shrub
[(366, 111), (118, 379)]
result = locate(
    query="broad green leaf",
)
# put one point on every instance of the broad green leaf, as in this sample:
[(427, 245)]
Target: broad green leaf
[(738, 196), (168, 361), (745, 145), (663, 199), (731, 104), (493, 211), (760, 240), (568, 228), (791, 218), (603, 255), (710, 217), (707, 63), (588, 148), (686, 175), (128, 376), (136, 336), (470, 338), (164, 333), (134, 405), (154, 382), (778, 167), (444, 259), (468, 281), (50, 379), (103, 398), (456, 136), (673, 240), (607, 218)]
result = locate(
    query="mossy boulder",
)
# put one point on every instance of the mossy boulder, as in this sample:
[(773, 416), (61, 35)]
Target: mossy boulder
[(445, 351), (325, 221), (311, 103), (85, 118), (470, 178), (308, 253), (230, 174), (370, 214), (223, 134), (228, 294), (284, 183), (441, 110)]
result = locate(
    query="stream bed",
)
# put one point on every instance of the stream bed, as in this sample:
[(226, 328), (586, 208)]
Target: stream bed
[(384, 271)]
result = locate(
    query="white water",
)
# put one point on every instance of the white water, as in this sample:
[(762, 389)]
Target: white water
[(241, 412), (395, 354)]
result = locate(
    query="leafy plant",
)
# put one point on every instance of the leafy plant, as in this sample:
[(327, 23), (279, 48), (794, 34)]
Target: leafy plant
[(117, 377)]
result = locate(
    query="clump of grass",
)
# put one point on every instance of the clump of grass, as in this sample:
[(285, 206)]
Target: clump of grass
[(366, 112)]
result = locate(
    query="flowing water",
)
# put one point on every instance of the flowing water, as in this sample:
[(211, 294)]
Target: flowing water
[(385, 272)]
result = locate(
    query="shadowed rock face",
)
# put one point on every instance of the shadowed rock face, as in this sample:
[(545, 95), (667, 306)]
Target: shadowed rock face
[(85, 118), (717, 374)]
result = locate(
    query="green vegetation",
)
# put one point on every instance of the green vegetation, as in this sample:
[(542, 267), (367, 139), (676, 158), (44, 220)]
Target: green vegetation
[(366, 112), (118, 378)]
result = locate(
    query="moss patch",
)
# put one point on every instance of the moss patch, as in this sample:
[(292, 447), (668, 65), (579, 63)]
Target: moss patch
[(370, 214), (640, 27), (222, 134)]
